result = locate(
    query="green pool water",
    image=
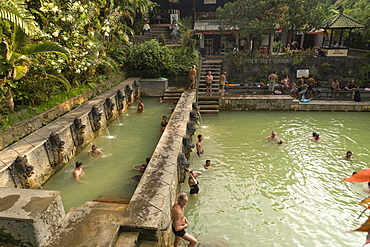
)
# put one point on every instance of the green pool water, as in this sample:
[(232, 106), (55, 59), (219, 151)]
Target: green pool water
[(262, 194), (130, 139)]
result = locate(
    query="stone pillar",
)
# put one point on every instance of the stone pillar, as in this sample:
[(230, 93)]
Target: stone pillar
[(21, 173), (54, 148), (77, 131), (30, 216), (95, 117), (108, 106), (187, 145), (120, 100), (182, 163), (128, 92)]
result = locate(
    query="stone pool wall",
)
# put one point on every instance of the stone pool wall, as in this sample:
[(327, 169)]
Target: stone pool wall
[(46, 150), (29, 125), (157, 191), (256, 103)]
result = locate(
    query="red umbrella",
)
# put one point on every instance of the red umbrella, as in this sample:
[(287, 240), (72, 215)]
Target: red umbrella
[(361, 176)]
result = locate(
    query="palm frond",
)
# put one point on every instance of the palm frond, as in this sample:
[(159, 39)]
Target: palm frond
[(46, 47), (60, 78), (14, 12), (19, 71)]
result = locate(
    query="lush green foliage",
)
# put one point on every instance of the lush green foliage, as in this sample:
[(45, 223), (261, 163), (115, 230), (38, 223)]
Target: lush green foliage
[(151, 60), (253, 18), (359, 10)]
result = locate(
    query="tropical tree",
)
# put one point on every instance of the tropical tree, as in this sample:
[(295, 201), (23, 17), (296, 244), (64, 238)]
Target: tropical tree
[(14, 11), (253, 18), (16, 58)]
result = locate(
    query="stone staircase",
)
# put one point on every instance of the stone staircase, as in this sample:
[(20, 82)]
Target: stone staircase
[(209, 104), (155, 33), (173, 94)]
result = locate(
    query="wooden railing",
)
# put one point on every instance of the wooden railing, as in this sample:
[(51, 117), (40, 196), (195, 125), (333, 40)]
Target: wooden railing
[(206, 16)]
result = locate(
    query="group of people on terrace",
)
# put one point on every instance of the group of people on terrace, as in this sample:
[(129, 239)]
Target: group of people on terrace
[(309, 88)]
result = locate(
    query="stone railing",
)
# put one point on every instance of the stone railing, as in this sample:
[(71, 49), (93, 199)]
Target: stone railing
[(157, 191)]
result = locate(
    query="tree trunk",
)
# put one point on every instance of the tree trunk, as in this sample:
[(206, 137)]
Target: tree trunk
[(9, 102)]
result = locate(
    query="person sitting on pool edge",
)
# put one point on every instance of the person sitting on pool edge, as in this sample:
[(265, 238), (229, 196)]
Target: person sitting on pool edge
[(272, 136), (348, 155)]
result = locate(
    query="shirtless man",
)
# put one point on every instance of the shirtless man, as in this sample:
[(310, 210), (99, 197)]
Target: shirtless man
[(207, 165), (78, 172), (335, 87), (223, 83), (273, 136), (179, 221), (209, 79), (271, 80), (348, 155), (199, 145), (140, 106), (95, 152), (192, 77)]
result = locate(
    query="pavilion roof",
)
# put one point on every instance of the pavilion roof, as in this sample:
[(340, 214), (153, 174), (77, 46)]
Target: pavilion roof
[(341, 21)]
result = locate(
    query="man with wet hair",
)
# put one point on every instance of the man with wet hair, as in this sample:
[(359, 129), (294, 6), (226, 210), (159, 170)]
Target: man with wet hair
[(179, 221), (199, 145), (207, 165), (348, 155), (95, 151)]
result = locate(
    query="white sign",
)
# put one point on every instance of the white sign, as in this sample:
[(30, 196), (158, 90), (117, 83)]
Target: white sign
[(303, 73), (210, 1)]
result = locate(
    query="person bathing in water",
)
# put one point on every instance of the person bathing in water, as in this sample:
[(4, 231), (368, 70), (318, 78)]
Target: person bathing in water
[(348, 156), (316, 136), (78, 172), (193, 183), (273, 136), (95, 152), (199, 145)]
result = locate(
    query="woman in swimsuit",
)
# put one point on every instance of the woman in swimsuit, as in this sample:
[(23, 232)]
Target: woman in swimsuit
[(193, 183)]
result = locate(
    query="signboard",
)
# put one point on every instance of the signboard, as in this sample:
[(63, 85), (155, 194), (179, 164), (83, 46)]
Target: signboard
[(210, 1), (336, 52), (303, 73)]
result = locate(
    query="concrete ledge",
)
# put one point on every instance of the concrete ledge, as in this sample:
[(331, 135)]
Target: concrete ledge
[(156, 193), (30, 216), (256, 102), (153, 87)]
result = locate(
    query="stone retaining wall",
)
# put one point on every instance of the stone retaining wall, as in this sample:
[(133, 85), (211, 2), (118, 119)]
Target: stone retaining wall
[(29, 125), (158, 188), (256, 103), (50, 147), (323, 68)]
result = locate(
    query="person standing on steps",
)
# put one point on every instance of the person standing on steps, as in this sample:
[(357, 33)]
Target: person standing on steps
[(179, 221), (192, 77), (223, 83), (209, 80)]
